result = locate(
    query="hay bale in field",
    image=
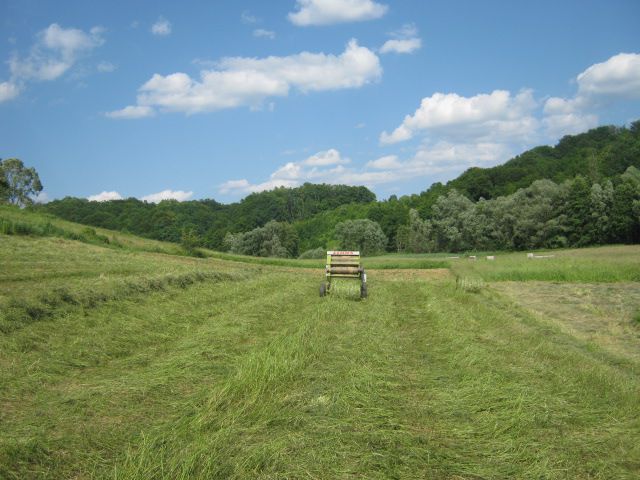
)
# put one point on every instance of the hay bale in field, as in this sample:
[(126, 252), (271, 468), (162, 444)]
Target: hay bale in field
[(472, 257), (530, 255), (491, 257)]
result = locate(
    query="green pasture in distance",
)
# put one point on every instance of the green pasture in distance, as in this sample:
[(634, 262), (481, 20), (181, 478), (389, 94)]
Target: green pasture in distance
[(619, 263), (11, 216)]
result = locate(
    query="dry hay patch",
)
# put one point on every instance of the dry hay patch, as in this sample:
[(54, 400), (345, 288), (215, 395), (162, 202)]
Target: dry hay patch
[(601, 313)]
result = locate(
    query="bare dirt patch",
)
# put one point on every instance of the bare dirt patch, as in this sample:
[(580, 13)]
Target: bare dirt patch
[(599, 313)]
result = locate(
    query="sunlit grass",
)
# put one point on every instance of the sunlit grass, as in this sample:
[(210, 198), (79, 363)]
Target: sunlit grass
[(597, 264), (148, 365)]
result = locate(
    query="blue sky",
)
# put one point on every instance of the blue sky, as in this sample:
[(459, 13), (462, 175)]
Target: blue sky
[(207, 99)]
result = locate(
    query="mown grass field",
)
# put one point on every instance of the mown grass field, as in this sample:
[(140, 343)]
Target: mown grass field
[(123, 362)]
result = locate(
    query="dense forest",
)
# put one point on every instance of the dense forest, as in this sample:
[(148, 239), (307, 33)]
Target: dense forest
[(209, 220), (585, 190)]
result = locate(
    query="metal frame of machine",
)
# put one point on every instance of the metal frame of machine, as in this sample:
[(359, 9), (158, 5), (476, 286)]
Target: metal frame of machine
[(344, 264)]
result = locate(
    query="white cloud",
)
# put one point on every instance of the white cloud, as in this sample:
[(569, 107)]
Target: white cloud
[(104, 197), (56, 50), (131, 112), (327, 157), (106, 67), (619, 76), (235, 186), (247, 18), (615, 79), (569, 123), (445, 156), (408, 30), (405, 40), (328, 12), (408, 45), (438, 158), (387, 162), (441, 157), (262, 33), (567, 116), (240, 81), (8, 91), (483, 116), (325, 166), (430, 159), (178, 195), (162, 27)]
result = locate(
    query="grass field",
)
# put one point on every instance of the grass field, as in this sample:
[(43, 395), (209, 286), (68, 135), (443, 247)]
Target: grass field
[(137, 362)]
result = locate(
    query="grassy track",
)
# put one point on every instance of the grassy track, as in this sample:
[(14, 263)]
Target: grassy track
[(204, 368)]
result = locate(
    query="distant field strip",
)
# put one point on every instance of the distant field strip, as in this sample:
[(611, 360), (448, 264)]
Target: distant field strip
[(589, 265), (374, 263)]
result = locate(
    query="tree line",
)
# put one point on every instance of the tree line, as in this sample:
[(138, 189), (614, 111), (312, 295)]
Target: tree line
[(574, 213)]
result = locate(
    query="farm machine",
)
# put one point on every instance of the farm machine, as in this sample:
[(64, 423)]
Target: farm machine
[(344, 264)]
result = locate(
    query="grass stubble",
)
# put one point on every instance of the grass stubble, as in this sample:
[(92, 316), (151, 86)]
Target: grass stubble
[(251, 375)]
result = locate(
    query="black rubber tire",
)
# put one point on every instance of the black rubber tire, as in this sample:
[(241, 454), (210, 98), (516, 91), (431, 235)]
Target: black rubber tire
[(363, 290), (323, 289)]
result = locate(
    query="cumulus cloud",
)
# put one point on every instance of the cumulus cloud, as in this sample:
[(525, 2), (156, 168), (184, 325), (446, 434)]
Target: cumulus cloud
[(328, 12), (569, 123), (56, 50), (104, 197), (178, 195), (162, 27), (386, 162), (240, 81), (614, 80), (8, 91), (567, 116), (322, 167), (405, 40), (132, 112), (325, 158), (445, 156), (401, 45), (331, 167), (619, 76), (262, 33), (438, 158), (482, 116)]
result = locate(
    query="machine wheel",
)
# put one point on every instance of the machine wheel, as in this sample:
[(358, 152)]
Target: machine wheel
[(363, 290), (323, 289)]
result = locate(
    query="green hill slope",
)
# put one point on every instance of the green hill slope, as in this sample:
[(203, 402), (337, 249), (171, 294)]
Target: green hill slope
[(599, 153)]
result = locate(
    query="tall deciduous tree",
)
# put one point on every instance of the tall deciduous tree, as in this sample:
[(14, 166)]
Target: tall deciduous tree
[(19, 182), (364, 235)]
